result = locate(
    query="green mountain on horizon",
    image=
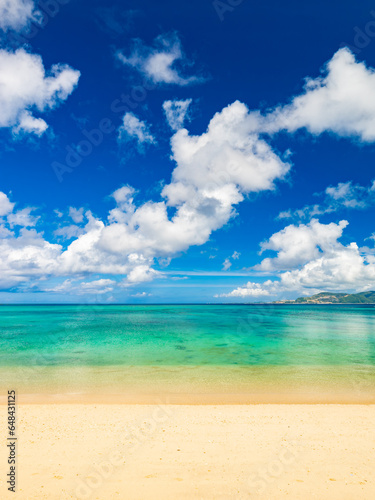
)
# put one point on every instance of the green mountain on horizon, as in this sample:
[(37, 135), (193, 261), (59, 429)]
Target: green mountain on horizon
[(334, 298)]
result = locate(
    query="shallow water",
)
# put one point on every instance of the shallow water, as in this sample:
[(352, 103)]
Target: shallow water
[(197, 335)]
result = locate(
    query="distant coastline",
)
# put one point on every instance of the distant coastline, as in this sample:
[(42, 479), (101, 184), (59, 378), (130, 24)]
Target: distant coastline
[(365, 298)]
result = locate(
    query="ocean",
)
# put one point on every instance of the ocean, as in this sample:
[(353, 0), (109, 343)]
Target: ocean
[(185, 347), (73, 335)]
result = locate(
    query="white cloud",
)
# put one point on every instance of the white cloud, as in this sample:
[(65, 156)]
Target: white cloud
[(141, 295), (325, 263), (124, 198), (176, 112), (65, 286), (227, 264), (349, 195), (213, 173), (249, 290), (76, 214), (69, 232), (20, 218), (296, 245), (73, 230), (341, 268), (28, 124), (4, 232), (341, 101), (23, 218), (26, 256), (223, 162), (161, 63), (307, 212), (95, 287), (5, 204), (141, 274), (134, 128), (345, 195), (26, 88), (17, 14)]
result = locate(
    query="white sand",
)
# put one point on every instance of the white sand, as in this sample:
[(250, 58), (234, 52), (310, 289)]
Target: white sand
[(192, 452)]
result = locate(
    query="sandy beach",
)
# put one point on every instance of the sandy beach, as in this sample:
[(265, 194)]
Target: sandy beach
[(198, 385), (138, 452)]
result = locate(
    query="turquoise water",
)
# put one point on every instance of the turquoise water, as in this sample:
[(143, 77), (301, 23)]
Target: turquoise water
[(186, 335)]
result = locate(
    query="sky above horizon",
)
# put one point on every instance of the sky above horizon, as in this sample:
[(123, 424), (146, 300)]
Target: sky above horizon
[(215, 151)]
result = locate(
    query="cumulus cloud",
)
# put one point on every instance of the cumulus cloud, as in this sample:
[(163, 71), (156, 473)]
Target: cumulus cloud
[(213, 173), (349, 195), (345, 195), (226, 161), (341, 268), (341, 101), (76, 214), (26, 88), (19, 218), (69, 232), (176, 112), (80, 219), (296, 245), (95, 287), (26, 256), (17, 14), (249, 290), (227, 264), (163, 62), (133, 128), (23, 218), (124, 198), (6, 206), (141, 295), (141, 274), (325, 263)]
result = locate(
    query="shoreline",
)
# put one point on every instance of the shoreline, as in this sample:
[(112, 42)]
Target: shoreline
[(191, 385), (190, 400)]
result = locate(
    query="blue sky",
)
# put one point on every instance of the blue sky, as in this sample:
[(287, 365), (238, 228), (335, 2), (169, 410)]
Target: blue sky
[(194, 152)]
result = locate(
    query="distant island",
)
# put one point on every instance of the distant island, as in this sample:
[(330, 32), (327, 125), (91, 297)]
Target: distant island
[(333, 298)]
